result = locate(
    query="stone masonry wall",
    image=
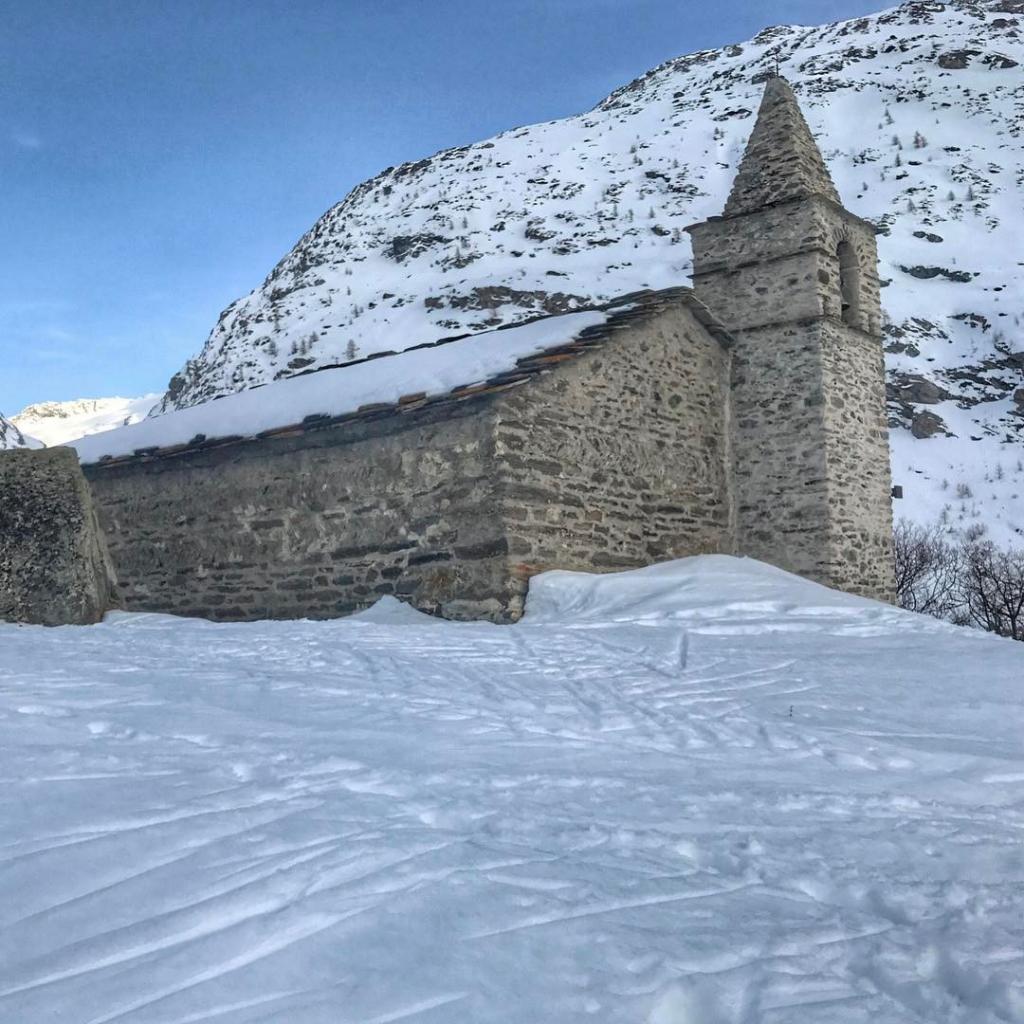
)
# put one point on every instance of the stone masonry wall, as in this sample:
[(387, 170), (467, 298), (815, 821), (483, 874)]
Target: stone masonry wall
[(811, 462), (857, 455), (780, 474), (316, 525), (621, 458), (54, 568), (781, 264), (811, 451)]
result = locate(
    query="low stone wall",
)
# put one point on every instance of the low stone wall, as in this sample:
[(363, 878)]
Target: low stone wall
[(54, 568), (313, 526)]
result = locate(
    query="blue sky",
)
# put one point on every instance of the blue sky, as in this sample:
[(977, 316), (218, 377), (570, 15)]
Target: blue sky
[(157, 157)]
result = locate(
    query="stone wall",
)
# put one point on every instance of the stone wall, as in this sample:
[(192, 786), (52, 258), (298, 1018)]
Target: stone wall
[(857, 458), (780, 474), (313, 526), (811, 463), (621, 459), (781, 264), (810, 452), (615, 457), (53, 564)]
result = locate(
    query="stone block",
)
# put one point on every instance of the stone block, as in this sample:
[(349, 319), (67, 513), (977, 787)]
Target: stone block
[(54, 568)]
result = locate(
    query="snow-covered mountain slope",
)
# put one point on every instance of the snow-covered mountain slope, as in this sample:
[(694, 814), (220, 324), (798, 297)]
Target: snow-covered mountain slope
[(12, 437), (703, 793), (56, 423), (919, 111)]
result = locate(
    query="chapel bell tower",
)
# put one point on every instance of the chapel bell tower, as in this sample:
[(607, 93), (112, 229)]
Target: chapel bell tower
[(793, 275)]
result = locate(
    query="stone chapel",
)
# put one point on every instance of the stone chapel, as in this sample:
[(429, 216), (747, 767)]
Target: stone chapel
[(744, 416)]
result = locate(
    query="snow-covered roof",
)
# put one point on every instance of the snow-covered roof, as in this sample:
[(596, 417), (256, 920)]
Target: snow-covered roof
[(388, 383)]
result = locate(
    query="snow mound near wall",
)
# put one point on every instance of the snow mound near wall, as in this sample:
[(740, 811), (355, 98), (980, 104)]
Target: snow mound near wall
[(688, 588)]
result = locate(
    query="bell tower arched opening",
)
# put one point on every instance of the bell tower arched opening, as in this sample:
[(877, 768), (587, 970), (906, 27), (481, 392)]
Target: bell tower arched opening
[(849, 284)]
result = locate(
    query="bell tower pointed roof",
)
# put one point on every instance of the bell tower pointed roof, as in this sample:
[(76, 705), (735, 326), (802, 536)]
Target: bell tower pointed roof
[(782, 161)]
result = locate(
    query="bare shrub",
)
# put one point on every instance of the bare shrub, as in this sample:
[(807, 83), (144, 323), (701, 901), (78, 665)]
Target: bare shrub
[(928, 570), (968, 581), (991, 589)]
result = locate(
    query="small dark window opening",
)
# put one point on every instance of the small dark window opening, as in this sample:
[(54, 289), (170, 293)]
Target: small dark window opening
[(849, 284)]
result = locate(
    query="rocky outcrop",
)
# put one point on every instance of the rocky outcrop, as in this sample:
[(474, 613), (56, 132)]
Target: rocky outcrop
[(926, 424), (12, 437), (54, 567)]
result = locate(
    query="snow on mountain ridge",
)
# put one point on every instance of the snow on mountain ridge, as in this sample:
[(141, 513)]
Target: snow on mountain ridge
[(57, 423), (919, 112)]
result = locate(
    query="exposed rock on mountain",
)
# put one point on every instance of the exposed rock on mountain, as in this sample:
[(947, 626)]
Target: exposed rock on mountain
[(12, 437), (919, 111)]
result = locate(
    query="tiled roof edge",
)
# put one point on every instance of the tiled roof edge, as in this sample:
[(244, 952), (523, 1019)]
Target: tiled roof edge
[(624, 311)]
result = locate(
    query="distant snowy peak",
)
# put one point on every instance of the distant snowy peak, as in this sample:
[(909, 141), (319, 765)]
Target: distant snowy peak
[(12, 437), (57, 423)]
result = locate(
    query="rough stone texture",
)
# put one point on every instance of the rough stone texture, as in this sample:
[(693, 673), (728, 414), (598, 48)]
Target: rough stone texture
[(781, 264), (782, 160), (622, 458), (599, 463), (856, 442), (811, 466), (54, 568), (316, 525)]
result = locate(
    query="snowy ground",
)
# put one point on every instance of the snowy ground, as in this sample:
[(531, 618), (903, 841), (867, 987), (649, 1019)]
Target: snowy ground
[(706, 793)]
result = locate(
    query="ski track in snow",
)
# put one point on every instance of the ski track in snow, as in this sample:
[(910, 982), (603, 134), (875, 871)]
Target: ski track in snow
[(705, 793)]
